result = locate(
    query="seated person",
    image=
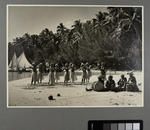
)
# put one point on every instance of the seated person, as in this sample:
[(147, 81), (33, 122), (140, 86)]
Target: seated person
[(98, 85), (110, 84), (132, 84), (122, 83)]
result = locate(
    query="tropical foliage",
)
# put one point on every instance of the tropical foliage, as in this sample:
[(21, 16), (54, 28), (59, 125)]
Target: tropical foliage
[(113, 37)]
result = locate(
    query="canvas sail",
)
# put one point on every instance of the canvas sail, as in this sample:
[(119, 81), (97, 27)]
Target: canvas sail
[(23, 62), (13, 62)]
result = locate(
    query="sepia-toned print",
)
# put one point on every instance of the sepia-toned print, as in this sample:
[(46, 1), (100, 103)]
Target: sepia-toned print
[(75, 56)]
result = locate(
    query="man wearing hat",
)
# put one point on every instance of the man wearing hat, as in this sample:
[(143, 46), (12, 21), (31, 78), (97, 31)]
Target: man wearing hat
[(132, 84)]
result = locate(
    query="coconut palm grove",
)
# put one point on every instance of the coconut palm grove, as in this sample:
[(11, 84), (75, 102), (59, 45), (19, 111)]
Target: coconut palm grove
[(113, 37)]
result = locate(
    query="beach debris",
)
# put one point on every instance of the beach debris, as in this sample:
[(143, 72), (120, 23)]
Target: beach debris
[(58, 95), (50, 97)]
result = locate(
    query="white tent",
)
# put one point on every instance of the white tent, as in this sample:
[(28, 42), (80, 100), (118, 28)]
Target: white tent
[(13, 63), (23, 62)]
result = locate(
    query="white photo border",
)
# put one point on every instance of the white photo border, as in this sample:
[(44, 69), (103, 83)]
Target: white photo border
[(55, 5)]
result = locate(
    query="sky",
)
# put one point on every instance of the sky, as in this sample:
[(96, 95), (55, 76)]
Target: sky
[(33, 19)]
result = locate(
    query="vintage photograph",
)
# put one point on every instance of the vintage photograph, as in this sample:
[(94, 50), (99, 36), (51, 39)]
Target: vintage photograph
[(75, 56)]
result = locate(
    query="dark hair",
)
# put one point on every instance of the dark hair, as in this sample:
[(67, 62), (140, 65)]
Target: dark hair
[(110, 77)]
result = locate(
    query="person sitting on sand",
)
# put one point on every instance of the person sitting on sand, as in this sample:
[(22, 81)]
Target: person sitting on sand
[(98, 85), (122, 83), (34, 74), (132, 84), (110, 84)]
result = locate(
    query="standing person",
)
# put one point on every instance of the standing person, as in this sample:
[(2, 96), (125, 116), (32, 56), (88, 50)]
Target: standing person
[(122, 83), (103, 70), (132, 83), (66, 74), (51, 75), (89, 73), (84, 73), (72, 73), (34, 74), (56, 73), (110, 84), (40, 73)]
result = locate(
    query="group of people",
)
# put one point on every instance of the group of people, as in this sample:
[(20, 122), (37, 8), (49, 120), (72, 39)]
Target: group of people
[(70, 75), (86, 72), (54, 73), (37, 73), (122, 85)]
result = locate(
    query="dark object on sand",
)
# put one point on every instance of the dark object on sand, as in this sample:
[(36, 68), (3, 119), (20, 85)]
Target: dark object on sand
[(58, 94), (50, 97)]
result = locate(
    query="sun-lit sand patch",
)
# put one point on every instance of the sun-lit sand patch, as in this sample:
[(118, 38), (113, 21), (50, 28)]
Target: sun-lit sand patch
[(72, 95)]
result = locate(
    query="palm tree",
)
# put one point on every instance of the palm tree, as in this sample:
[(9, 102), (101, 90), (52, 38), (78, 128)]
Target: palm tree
[(61, 29), (127, 32)]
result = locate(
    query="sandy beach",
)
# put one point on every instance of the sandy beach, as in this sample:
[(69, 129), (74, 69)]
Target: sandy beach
[(20, 94)]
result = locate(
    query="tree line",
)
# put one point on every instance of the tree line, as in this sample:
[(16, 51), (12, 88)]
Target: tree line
[(113, 37)]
